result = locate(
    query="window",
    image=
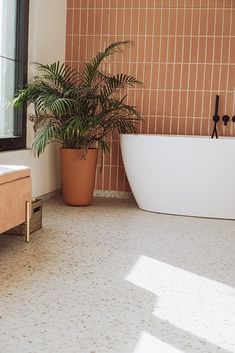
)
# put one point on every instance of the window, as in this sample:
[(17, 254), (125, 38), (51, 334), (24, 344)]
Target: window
[(13, 70)]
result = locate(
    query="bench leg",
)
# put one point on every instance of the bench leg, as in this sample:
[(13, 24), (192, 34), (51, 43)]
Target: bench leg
[(27, 221)]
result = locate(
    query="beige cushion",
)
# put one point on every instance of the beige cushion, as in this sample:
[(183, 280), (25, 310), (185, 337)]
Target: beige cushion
[(13, 172)]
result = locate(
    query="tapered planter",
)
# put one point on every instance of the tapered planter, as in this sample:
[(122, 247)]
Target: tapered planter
[(78, 175)]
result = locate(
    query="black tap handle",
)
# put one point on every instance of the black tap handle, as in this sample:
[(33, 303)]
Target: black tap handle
[(233, 118), (217, 104), (225, 119)]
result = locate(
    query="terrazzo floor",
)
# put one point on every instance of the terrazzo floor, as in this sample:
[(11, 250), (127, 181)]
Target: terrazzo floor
[(111, 278)]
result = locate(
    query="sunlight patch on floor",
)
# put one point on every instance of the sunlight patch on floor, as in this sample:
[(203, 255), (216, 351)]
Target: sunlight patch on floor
[(150, 344), (195, 304)]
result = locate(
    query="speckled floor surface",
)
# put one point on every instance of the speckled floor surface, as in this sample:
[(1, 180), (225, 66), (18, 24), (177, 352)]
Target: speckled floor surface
[(111, 278)]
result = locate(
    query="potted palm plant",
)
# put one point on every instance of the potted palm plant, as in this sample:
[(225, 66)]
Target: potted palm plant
[(79, 110)]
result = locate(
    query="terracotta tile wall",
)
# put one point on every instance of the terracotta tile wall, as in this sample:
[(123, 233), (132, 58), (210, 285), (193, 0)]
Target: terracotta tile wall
[(184, 53)]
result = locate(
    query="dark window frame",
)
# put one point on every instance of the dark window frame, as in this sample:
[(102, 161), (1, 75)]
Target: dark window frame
[(20, 116)]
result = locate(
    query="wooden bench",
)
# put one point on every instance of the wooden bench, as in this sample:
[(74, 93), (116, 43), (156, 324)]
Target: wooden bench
[(15, 197)]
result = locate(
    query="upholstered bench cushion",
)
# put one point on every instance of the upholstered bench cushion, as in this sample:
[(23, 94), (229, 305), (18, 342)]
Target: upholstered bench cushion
[(13, 172), (15, 191)]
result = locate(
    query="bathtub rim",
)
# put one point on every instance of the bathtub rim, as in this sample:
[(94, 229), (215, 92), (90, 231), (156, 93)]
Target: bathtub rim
[(180, 136)]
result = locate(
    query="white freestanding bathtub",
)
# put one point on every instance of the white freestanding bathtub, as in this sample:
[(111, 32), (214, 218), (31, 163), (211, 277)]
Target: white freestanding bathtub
[(183, 175)]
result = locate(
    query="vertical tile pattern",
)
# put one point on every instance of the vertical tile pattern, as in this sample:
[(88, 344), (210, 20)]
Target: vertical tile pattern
[(184, 53)]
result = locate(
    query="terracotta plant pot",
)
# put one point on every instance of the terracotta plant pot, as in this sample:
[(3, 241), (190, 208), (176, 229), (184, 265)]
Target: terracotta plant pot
[(78, 175)]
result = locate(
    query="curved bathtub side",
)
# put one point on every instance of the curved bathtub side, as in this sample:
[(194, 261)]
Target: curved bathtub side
[(181, 175)]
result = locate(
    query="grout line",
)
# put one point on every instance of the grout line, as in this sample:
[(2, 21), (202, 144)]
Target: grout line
[(145, 49), (204, 72), (181, 74), (129, 53), (151, 67), (227, 81), (71, 52), (222, 44), (156, 35), (159, 68), (122, 70), (79, 52), (116, 64), (166, 73), (155, 8), (100, 45), (196, 77), (221, 54), (86, 39), (122, 67), (137, 50), (170, 62), (94, 23), (101, 24), (173, 74), (213, 58), (177, 116), (189, 74), (111, 138)]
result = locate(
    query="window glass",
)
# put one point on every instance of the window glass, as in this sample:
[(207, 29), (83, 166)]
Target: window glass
[(7, 88), (13, 70), (8, 9), (7, 65)]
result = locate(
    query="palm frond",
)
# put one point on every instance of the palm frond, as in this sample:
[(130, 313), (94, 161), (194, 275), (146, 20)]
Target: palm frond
[(55, 105), (90, 70), (57, 70), (62, 75), (45, 135), (104, 146), (128, 80), (112, 84)]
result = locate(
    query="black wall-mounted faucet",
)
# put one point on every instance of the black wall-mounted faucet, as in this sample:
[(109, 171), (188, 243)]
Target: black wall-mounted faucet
[(216, 117)]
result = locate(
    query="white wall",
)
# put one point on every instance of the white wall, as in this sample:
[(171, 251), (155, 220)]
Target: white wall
[(47, 33)]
